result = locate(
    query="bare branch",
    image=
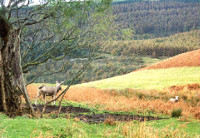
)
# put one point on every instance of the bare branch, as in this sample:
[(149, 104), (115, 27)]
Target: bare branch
[(37, 21), (28, 19), (36, 77), (46, 55)]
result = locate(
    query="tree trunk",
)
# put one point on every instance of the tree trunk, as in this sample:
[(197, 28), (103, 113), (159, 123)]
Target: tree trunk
[(11, 76)]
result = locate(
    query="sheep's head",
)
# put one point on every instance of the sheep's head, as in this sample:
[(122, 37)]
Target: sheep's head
[(58, 85), (176, 97)]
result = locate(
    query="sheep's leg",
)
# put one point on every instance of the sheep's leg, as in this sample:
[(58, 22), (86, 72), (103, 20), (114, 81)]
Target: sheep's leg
[(44, 97), (53, 97), (38, 95)]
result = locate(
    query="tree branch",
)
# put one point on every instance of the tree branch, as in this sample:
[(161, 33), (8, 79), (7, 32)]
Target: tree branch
[(38, 75), (46, 55), (9, 3)]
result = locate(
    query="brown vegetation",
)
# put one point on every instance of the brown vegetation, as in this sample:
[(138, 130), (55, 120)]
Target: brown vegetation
[(194, 86), (183, 60), (113, 100)]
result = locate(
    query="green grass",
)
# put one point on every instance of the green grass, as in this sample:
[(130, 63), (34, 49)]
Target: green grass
[(192, 127), (23, 127), (150, 79)]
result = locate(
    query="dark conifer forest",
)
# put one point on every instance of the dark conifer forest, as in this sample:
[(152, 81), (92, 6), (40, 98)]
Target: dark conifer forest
[(158, 18)]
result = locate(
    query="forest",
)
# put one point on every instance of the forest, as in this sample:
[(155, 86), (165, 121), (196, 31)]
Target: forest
[(155, 19)]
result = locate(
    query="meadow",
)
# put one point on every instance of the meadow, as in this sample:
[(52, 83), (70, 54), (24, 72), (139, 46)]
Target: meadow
[(62, 128), (150, 79)]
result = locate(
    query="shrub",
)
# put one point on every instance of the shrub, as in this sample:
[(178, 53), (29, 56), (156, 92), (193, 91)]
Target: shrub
[(140, 95), (185, 97), (176, 112)]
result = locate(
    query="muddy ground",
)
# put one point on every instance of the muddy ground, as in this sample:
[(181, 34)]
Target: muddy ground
[(91, 117)]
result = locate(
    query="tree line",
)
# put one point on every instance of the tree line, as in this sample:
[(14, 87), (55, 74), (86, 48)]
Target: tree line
[(157, 47)]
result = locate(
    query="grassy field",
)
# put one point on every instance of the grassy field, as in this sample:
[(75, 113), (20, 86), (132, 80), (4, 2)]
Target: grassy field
[(150, 79), (23, 127)]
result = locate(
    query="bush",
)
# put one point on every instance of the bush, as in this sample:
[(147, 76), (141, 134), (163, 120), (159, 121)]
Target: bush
[(176, 112)]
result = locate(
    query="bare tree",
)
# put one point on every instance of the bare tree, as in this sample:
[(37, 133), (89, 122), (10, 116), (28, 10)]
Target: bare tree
[(52, 31)]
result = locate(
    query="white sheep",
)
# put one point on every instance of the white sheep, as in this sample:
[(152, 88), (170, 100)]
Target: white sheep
[(174, 100), (48, 91)]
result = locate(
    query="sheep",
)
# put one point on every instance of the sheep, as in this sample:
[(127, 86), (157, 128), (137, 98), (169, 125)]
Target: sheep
[(174, 100), (48, 91)]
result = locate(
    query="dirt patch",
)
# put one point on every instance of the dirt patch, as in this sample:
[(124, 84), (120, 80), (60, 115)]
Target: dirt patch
[(100, 118), (65, 109), (93, 118)]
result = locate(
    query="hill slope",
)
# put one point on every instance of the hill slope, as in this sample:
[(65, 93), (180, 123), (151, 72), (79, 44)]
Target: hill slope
[(187, 59), (179, 70), (157, 17), (150, 79)]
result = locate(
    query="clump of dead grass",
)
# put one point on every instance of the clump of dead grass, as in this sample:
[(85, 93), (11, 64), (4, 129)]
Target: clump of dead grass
[(110, 121)]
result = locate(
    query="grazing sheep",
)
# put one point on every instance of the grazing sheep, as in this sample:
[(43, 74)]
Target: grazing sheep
[(174, 100), (48, 91)]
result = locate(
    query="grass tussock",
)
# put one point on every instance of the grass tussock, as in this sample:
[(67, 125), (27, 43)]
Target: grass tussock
[(176, 112)]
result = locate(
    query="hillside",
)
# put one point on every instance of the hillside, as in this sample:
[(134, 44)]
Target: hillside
[(179, 70), (157, 47), (183, 60), (157, 18), (122, 57), (150, 79)]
